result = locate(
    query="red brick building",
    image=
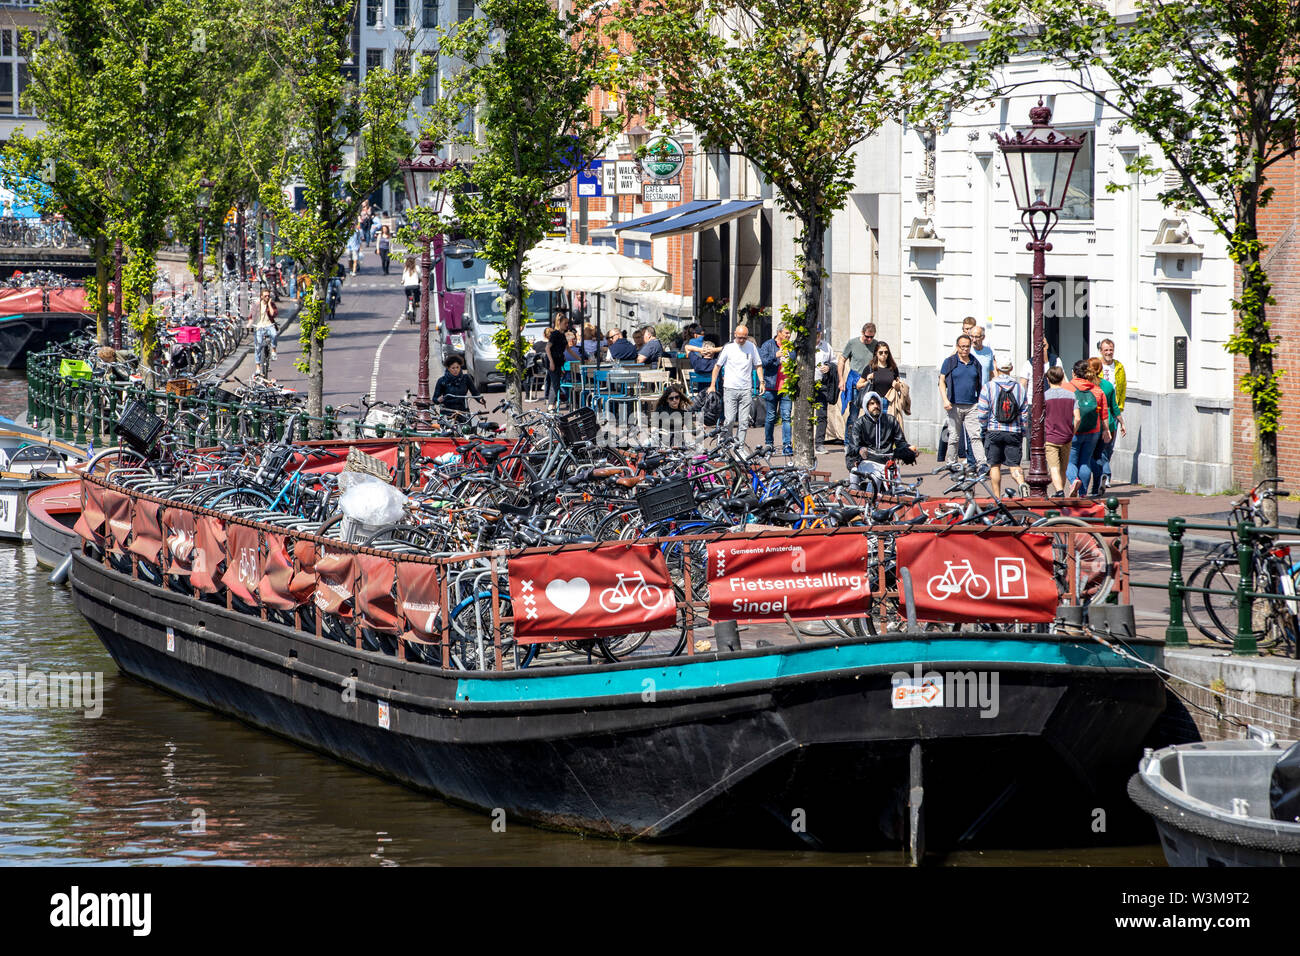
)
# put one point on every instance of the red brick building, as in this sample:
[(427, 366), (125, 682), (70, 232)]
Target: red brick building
[(1278, 225)]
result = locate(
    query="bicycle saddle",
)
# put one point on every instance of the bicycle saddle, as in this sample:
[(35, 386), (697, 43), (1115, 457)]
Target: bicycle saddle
[(631, 481), (844, 515), (491, 453)]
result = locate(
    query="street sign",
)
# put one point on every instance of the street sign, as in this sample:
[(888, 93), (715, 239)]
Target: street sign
[(559, 223), (589, 179), (656, 192), (628, 182), (609, 178), (664, 158)]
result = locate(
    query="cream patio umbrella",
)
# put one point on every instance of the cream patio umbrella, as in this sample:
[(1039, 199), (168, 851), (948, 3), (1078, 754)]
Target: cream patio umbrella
[(554, 264)]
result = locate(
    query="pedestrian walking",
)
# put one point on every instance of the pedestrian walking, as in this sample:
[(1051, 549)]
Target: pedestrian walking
[(556, 345), (1104, 448), (1094, 426), (355, 242), (960, 381), (1004, 417), (411, 283), (1113, 371), (738, 360), (1050, 359), (981, 352), (1061, 418), (853, 361), (880, 376), (825, 390), (383, 244), (773, 353)]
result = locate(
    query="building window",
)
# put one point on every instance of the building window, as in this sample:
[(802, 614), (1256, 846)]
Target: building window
[(1079, 195), (374, 59), (466, 10), (430, 91), (401, 61), (13, 74), (401, 13), (430, 14), (372, 12)]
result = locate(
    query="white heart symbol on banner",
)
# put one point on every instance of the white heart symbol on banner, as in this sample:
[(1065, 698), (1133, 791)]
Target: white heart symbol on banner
[(568, 596)]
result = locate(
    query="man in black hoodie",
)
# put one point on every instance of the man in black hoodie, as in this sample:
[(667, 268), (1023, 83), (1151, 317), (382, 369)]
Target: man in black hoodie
[(876, 438)]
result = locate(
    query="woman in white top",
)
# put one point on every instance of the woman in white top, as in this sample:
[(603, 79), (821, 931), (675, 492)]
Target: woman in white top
[(411, 282)]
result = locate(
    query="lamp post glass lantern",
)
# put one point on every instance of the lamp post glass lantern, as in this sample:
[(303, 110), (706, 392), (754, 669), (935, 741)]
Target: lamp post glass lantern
[(1040, 161), (426, 186)]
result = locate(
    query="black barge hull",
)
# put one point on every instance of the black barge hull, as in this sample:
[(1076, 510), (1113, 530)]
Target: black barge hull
[(771, 745)]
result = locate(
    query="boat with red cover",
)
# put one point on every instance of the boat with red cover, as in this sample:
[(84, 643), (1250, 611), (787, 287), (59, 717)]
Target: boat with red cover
[(325, 643)]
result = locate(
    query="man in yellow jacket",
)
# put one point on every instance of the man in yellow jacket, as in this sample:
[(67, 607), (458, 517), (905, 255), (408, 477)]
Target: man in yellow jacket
[(1113, 372)]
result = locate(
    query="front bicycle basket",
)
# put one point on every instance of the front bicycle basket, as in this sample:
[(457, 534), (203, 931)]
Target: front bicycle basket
[(669, 500), (579, 425), (138, 426)]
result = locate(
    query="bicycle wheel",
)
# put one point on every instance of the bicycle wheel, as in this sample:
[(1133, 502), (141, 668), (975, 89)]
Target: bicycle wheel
[(472, 647), (1222, 608), (1194, 609), (1093, 567)]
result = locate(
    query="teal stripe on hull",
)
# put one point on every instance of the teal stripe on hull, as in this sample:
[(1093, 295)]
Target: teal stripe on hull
[(535, 685)]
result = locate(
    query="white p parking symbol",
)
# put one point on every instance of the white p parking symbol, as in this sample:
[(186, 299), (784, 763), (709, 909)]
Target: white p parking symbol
[(1012, 583)]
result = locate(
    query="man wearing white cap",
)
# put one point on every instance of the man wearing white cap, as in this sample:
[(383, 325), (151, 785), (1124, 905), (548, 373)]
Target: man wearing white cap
[(1004, 411)]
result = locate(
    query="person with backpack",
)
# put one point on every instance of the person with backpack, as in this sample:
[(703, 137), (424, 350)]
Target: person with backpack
[(1101, 454), (1004, 415), (1061, 418), (1094, 426)]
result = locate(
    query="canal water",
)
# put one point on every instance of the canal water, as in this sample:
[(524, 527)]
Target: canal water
[(154, 780)]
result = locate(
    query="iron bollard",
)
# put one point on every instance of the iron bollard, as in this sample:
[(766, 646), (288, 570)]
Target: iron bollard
[(1176, 632), (331, 424), (1244, 643), (1112, 512)]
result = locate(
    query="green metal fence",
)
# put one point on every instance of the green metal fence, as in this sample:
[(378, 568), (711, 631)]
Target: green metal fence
[(1249, 537), (85, 410)]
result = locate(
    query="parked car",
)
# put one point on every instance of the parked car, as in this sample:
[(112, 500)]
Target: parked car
[(484, 315)]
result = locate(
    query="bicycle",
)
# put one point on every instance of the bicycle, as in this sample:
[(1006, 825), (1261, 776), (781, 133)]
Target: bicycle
[(941, 587), (615, 598)]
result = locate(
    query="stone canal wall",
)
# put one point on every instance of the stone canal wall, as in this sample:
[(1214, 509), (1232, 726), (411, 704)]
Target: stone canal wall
[(1264, 691)]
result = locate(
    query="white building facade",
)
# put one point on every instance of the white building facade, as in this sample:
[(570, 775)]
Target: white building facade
[(931, 235)]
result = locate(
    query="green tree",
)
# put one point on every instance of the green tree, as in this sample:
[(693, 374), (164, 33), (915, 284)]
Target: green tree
[(794, 86), (330, 111), (1213, 85), (121, 88), (528, 75)]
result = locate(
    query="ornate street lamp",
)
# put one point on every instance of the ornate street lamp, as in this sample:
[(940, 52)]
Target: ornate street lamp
[(1040, 162), (202, 200), (426, 186)]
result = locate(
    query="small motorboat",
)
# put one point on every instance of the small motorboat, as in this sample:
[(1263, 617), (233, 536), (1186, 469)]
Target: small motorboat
[(30, 460), (1224, 803), (52, 514)]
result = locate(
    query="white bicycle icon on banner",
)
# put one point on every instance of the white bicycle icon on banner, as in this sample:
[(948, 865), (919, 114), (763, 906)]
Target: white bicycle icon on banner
[(943, 586), (617, 597)]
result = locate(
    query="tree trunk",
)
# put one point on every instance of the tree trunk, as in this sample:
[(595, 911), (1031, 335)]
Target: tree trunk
[(813, 241), (315, 350), (101, 288), (1252, 338), (1264, 401), (514, 310)]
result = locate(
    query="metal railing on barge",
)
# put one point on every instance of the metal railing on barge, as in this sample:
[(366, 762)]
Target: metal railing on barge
[(129, 530)]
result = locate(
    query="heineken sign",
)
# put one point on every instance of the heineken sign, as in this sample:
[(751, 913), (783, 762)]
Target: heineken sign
[(664, 158)]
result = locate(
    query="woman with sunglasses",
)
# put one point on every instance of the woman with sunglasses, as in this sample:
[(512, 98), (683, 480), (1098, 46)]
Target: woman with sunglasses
[(881, 376), (670, 417)]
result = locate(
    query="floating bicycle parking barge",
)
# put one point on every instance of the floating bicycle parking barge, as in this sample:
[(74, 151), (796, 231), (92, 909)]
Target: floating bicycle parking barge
[(806, 741)]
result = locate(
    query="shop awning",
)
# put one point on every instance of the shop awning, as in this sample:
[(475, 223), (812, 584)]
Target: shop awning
[(695, 221), (684, 209)]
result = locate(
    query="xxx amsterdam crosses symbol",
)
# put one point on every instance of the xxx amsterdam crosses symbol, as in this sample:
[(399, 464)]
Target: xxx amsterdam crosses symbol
[(528, 599)]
